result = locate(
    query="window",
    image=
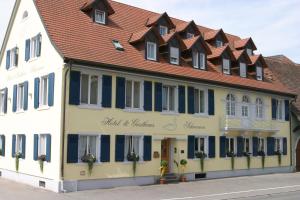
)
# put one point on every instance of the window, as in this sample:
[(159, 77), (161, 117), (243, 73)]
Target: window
[(247, 145), (226, 66), (230, 145), (201, 144), (259, 108), (100, 16), (133, 94), (35, 44), (261, 145), (12, 58), (42, 145), (189, 35), (280, 114), (2, 145), (118, 45), (245, 106), (44, 91), (2, 101), (199, 101), (19, 144), (259, 75), (20, 97), (243, 70), (174, 55), (88, 145), (163, 30), (151, 51), (89, 92), (230, 105), (25, 14), (278, 147), (168, 98), (219, 43), (249, 52), (134, 144), (198, 60)]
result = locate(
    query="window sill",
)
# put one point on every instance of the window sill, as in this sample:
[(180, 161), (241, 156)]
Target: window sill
[(20, 111), (42, 107), (32, 59), (2, 114), (12, 68), (91, 107), (130, 162), (169, 113), (133, 110), (204, 115)]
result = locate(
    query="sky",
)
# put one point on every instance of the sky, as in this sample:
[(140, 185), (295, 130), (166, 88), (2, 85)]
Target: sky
[(274, 25)]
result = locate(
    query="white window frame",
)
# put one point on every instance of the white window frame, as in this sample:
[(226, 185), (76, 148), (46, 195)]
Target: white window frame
[(19, 144), (98, 15), (205, 92), (12, 58), (259, 108), (2, 100), (168, 99), (229, 145), (245, 107), (206, 143), (133, 94), (34, 44), (249, 52), (140, 146), (151, 45), (174, 54), (42, 144), (264, 144), (280, 141), (189, 35), (250, 144), (20, 97), (226, 69), (43, 98), (99, 89), (98, 147), (163, 30), (196, 60), (259, 73), (219, 43), (231, 103), (243, 70), (280, 111)]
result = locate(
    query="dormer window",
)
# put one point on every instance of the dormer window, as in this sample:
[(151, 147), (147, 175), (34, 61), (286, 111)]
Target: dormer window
[(259, 75), (174, 55), (198, 60), (189, 35), (249, 52), (219, 43), (163, 30), (226, 66), (99, 16), (151, 51), (243, 70)]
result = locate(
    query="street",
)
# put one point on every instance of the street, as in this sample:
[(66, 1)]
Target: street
[(274, 186)]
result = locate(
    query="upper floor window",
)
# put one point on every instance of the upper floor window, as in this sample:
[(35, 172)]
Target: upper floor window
[(198, 60), (100, 16), (133, 94), (12, 58), (249, 52), (189, 35), (199, 101), (245, 106), (280, 113), (243, 70), (20, 97), (163, 30), (134, 144), (2, 145), (168, 98), (151, 51), (219, 43), (33, 47), (3, 98), (226, 66), (174, 55), (89, 92), (259, 108), (259, 75), (88, 146), (44, 91), (230, 105)]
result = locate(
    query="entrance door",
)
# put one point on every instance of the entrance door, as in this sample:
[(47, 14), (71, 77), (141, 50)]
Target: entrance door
[(165, 151), (298, 157)]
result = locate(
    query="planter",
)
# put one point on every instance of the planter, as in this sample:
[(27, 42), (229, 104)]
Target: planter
[(162, 181), (183, 178)]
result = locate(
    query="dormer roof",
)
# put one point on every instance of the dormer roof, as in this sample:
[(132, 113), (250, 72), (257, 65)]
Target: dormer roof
[(140, 35), (183, 27), (154, 20), (214, 33), (218, 52), (255, 58), (189, 43), (167, 38), (238, 44), (241, 53), (89, 4)]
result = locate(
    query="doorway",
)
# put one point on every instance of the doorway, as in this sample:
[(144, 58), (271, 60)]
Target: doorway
[(298, 157), (166, 152)]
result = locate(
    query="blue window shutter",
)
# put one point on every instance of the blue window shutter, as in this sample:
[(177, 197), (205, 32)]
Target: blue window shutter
[(14, 106), (23, 146), (287, 110), (181, 99), (270, 146), (26, 95), (274, 108), (120, 147), (255, 146), (72, 149), (106, 91), (8, 59), (3, 145), (158, 97), (74, 90), (39, 46), (48, 147), (211, 102), (147, 95), (120, 93), (191, 105), (36, 92), (35, 146), (222, 146), (211, 146), (191, 147), (51, 83), (27, 50), (240, 146), (13, 146), (105, 148), (5, 100), (147, 148), (284, 150)]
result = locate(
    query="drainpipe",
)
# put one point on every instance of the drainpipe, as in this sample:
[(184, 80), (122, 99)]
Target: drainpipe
[(69, 68), (291, 135)]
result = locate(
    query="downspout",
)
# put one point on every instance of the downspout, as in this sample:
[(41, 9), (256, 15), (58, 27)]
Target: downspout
[(69, 68), (291, 135)]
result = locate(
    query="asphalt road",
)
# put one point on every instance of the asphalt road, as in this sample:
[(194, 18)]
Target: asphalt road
[(276, 186)]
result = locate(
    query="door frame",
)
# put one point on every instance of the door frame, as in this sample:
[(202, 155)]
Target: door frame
[(170, 153)]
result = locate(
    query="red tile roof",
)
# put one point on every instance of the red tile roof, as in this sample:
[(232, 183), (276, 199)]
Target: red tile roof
[(243, 42), (154, 19), (189, 43), (238, 53), (256, 58), (77, 38), (217, 52), (213, 34)]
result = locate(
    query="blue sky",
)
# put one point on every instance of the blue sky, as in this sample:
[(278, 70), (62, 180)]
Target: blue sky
[(274, 25)]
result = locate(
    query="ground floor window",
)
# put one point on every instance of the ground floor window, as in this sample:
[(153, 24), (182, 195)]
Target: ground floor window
[(261, 146), (247, 145), (230, 146), (278, 147), (88, 146), (133, 144), (201, 146)]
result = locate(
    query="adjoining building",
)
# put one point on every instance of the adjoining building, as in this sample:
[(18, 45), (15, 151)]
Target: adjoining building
[(83, 78)]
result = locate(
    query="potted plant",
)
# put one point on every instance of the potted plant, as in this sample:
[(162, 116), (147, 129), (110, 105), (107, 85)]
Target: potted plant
[(134, 158), (201, 155), (42, 159), (163, 170), (263, 157), (90, 159), (18, 156), (279, 154), (183, 163), (232, 156), (248, 156)]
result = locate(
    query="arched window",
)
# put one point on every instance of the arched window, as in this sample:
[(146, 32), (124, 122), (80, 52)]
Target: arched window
[(25, 14), (259, 108), (230, 105), (245, 106)]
